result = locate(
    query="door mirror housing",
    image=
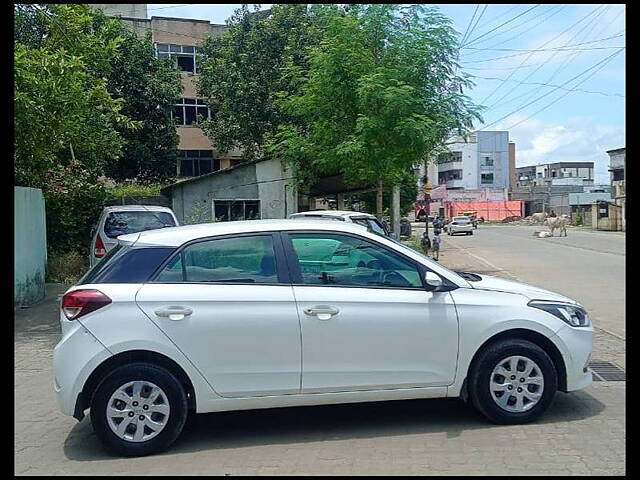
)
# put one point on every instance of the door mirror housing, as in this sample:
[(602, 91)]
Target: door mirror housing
[(433, 280)]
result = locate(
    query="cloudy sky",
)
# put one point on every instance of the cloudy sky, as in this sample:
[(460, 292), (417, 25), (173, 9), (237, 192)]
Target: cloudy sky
[(550, 74)]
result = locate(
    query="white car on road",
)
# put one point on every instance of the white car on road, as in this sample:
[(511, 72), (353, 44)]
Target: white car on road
[(460, 225), (281, 313)]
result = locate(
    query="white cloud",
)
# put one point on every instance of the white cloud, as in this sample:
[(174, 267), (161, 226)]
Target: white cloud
[(578, 139)]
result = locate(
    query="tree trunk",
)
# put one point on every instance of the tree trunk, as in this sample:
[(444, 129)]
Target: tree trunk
[(379, 201)]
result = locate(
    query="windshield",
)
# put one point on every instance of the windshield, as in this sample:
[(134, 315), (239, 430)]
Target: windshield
[(422, 255), (371, 224), (121, 223)]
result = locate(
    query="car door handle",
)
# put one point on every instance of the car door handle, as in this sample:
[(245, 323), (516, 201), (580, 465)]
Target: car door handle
[(323, 312), (174, 312)]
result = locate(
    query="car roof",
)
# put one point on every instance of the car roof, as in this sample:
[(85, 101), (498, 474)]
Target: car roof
[(176, 236), (332, 213), (136, 208)]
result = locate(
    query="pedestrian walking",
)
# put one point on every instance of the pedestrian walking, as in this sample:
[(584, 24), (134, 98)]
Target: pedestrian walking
[(435, 246), (426, 242)]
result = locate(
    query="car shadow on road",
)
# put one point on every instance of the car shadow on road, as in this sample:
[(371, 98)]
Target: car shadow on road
[(251, 428)]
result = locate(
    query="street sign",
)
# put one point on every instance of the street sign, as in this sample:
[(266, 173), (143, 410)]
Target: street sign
[(427, 187)]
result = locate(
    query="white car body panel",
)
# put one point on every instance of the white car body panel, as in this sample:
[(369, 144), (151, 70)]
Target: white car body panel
[(368, 346), (250, 346), (245, 339)]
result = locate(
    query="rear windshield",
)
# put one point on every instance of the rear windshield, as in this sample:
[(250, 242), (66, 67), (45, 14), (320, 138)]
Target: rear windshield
[(121, 223), (127, 265)]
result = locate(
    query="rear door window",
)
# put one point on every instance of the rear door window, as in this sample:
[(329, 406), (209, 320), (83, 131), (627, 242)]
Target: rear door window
[(121, 223), (245, 259), (127, 265)]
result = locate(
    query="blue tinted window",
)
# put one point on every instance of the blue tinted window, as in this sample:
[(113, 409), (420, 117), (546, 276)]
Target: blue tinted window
[(132, 265)]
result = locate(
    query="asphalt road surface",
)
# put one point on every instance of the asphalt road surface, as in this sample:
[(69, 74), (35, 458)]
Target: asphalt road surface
[(586, 265)]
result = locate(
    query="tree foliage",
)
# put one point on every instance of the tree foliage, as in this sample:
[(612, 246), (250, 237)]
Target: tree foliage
[(380, 93), (88, 92), (242, 71)]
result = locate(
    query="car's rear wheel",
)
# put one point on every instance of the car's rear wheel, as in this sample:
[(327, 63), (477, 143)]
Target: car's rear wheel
[(139, 409), (512, 381)]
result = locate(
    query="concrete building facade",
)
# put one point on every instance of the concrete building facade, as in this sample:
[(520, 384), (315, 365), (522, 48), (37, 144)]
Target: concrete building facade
[(559, 173), (247, 191), (179, 40), (617, 167), (478, 161)]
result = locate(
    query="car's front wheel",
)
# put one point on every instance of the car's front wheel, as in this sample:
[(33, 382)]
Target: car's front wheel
[(139, 409), (512, 381)]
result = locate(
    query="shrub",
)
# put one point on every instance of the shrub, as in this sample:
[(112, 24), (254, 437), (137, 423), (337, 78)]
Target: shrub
[(579, 220), (66, 267), (73, 201), (136, 190)]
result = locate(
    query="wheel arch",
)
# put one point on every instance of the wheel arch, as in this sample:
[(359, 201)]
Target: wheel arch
[(534, 337), (123, 358)]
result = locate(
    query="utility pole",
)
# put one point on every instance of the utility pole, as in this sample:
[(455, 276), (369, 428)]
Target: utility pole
[(395, 210)]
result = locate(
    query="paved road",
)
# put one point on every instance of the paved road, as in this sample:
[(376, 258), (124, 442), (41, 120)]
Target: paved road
[(582, 432), (586, 265)]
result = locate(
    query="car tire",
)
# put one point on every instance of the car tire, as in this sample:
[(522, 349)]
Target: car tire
[(172, 399), (470, 233), (486, 396)]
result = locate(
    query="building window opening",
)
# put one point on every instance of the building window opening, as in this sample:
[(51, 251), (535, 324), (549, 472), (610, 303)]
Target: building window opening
[(486, 178), (232, 210), (183, 57), (189, 111), (193, 163)]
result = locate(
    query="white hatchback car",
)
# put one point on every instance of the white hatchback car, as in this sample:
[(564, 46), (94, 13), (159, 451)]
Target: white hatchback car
[(280, 313), (122, 219)]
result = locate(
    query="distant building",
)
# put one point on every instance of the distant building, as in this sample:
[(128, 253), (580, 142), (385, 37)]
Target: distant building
[(178, 39), (617, 164), (478, 161), (559, 173)]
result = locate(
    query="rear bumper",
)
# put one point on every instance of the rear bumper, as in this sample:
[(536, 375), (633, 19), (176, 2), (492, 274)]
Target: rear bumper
[(74, 358)]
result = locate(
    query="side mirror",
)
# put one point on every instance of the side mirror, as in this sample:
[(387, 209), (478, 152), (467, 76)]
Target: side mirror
[(433, 280)]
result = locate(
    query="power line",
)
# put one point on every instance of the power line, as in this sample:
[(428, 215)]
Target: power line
[(549, 49), (532, 53), (603, 61), (552, 85), (476, 24), (501, 25), (171, 6), (532, 92), (553, 11), (607, 60), (558, 49), (499, 16), (464, 37)]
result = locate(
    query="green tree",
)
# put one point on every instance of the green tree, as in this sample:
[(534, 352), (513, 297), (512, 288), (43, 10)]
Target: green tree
[(380, 94), (149, 88), (241, 73)]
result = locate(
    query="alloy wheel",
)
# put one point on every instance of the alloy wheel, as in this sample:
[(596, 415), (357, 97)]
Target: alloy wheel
[(516, 384), (138, 411)]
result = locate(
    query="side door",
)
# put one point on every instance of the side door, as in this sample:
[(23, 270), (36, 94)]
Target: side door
[(227, 304), (368, 322)]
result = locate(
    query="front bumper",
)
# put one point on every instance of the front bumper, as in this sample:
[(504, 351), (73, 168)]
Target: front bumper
[(74, 358), (576, 345)]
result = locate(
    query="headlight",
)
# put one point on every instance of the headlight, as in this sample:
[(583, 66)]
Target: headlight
[(572, 314)]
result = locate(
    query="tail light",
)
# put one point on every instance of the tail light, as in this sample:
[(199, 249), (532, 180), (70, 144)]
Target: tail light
[(99, 250), (80, 302)]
